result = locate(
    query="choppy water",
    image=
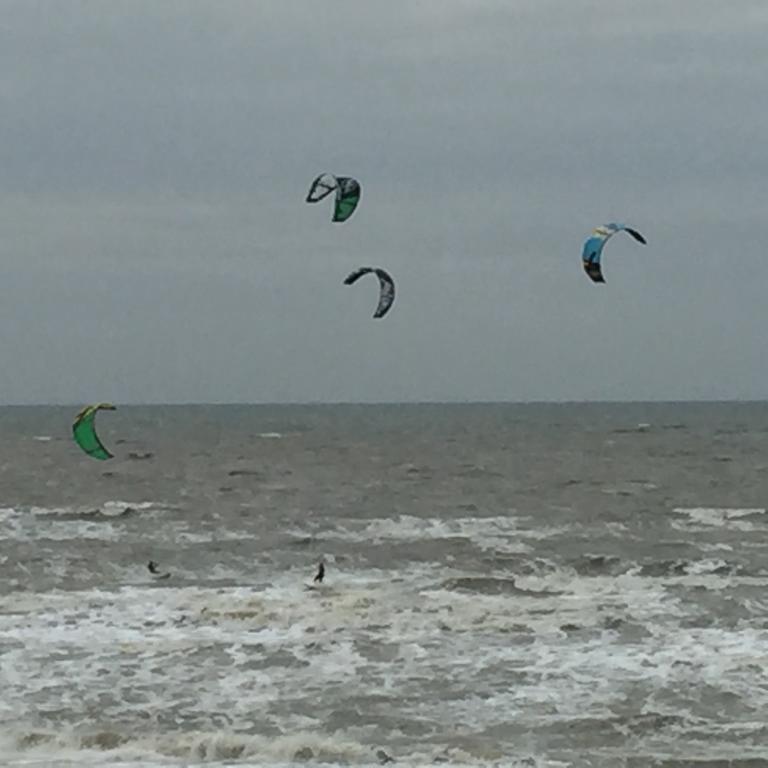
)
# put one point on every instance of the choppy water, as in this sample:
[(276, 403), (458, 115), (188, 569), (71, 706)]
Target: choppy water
[(506, 585)]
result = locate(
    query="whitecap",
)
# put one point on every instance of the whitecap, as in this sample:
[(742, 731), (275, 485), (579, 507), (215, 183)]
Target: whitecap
[(718, 517)]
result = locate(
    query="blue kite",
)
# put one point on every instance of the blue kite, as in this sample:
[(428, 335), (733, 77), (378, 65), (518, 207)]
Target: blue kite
[(593, 248)]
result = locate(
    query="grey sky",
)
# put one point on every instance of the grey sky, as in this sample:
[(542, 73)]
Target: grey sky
[(156, 247)]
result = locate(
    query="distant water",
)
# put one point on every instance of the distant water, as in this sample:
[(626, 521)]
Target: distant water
[(543, 585)]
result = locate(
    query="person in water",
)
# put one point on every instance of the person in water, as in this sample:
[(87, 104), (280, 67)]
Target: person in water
[(320, 575), (155, 571)]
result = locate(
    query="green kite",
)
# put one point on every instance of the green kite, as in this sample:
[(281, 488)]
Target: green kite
[(347, 190), (84, 431)]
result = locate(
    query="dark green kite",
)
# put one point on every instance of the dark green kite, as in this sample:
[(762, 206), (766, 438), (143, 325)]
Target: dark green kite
[(347, 190)]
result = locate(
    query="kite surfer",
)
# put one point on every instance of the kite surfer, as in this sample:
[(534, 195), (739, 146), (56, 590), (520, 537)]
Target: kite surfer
[(155, 571)]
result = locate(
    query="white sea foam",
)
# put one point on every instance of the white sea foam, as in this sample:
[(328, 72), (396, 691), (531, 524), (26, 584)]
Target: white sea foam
[(701, 518), (500, 532), (102, 521), (141, 650), (110, 508), (222, 747)]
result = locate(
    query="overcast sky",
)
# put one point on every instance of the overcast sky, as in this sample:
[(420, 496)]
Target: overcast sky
[(156, 246)]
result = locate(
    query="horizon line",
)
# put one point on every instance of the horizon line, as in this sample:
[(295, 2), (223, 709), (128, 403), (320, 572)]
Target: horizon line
[(364, 403)]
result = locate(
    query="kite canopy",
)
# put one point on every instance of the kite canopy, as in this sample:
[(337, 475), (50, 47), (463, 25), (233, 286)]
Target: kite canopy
[(386, 287), (84, 431), (347, 194), (593, 248)]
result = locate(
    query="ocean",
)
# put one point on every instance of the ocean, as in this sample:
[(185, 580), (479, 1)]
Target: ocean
[(506, 585)]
